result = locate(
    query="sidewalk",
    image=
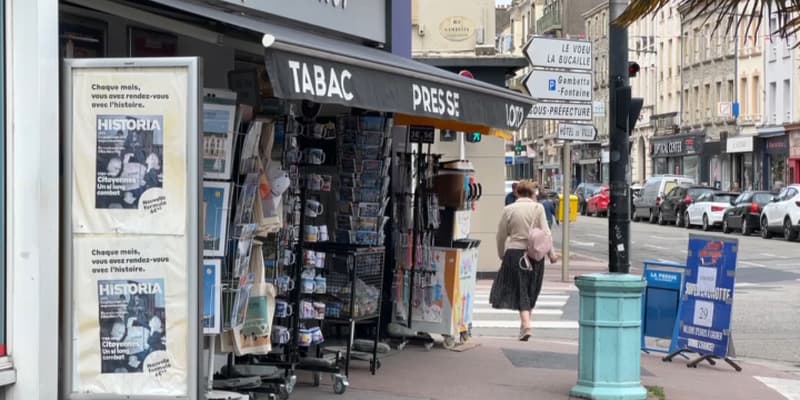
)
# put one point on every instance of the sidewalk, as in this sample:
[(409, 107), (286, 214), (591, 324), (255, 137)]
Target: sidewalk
[(539, 369)]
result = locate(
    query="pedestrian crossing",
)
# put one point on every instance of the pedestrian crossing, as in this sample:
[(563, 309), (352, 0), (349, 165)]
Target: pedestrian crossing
[(548, 314)]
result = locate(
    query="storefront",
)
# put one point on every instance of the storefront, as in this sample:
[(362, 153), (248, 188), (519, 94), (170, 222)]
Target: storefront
[(326, 64), (678, 155), (586, 163), (774, 156), (740, 151), (793, 173)]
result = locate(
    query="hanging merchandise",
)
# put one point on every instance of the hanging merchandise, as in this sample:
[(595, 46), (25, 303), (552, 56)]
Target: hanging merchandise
[(253, 336)]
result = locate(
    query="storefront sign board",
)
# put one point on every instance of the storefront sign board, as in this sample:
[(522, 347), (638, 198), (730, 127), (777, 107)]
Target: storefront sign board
[(131, 228), (678, 146), (297, 76), (559, 53), (661, 301), (739, 144), (559, 86), (457, 29), (777, 145)]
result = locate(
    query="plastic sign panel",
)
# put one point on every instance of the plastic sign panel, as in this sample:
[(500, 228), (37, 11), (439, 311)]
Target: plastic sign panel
[(661, 301), (559, 53), (576, 132), (707, 300), (561, 86), (561, 111), (133, 171)]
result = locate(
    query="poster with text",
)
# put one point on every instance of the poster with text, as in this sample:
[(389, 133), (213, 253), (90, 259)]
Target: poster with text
[(131, 315), (129, 135)]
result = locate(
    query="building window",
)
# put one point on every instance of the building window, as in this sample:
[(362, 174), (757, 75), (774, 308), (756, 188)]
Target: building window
[(755, 99), (787, 101), (744, 100)]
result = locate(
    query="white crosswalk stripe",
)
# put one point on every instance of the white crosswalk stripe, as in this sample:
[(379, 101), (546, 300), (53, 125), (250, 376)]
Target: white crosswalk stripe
[(548, 314)]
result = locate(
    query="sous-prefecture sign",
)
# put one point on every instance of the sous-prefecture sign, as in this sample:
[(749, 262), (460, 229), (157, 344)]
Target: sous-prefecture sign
[(576, 132), (559, 53), (555, 85), (561, 111)]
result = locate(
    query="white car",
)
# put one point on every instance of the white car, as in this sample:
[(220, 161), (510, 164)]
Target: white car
[(782, 215), (708, 209)]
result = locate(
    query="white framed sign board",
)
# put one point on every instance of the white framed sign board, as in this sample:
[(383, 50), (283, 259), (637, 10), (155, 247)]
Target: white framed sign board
[(131, 232), (544, 52)]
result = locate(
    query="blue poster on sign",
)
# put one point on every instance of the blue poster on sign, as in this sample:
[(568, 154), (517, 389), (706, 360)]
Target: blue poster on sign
[(707, 302)]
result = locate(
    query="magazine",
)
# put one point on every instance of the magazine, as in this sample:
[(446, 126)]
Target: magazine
[(216, 211), (246, 200), (212, 288), (219, 133), (132, 323), (130, 151)]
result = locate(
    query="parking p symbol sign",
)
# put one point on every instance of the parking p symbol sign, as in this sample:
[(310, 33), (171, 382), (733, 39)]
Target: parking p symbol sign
[(551, 85)]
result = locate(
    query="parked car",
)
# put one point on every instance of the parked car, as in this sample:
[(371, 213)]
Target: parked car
[(745, 213), (598, 203), (782, 215), (673, 207), (655, 188), (584, 191), (708, 210)]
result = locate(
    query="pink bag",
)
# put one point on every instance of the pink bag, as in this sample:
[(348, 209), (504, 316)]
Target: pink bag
[(539, 243)]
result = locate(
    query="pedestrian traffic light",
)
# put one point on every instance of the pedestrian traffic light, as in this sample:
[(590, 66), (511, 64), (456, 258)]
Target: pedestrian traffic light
[(473, 137), (633, 69)]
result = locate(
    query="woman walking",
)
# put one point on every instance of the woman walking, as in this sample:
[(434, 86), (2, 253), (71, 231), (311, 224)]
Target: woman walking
[(519, 280)]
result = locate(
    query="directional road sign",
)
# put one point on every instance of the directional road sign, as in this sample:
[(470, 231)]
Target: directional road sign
[(561, 111), (556, 85), (559, 53), (576, 132)]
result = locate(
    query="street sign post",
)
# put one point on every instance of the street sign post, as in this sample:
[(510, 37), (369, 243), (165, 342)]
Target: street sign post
[(561, 80), (545, 52), (576, 132), (560, 86)]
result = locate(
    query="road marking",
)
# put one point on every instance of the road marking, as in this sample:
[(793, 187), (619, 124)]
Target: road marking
[(536, 311), (667, 238), (745, 284), (582, 244), (597, 236), (773, 255), (534, 324), (788, 388), (484, 299), (752, 264), (652, 246)]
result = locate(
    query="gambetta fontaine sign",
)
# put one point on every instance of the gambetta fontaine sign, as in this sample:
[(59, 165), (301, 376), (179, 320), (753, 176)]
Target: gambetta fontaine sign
[(296, 76), (364, 19)]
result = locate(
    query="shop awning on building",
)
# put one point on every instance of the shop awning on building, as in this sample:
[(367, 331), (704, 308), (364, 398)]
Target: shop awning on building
[(307, 66)]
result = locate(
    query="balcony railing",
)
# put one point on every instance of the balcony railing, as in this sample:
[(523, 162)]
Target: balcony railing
[(551, 18)]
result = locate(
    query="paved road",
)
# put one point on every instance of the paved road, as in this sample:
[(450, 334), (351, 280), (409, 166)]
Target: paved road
[(766, 321)]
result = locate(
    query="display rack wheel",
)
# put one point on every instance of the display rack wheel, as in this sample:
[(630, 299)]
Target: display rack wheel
[(401, 346), (339, 384), (317, 378), (428, 346), (374, 365), (291, 382), (284, 392), (449, 342), (465, 337)]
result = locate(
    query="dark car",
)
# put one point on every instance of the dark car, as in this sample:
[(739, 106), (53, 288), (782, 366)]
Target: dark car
[(745, 213), (584, 191), (673, 207)]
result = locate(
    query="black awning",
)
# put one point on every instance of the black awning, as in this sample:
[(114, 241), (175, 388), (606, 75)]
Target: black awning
[(307, 66)]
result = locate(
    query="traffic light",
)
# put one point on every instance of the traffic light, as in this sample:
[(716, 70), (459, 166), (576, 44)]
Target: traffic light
[(627, 109), (473, 137), (633, 69)]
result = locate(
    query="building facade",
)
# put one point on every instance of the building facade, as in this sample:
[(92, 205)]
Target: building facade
[(780, 96)]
